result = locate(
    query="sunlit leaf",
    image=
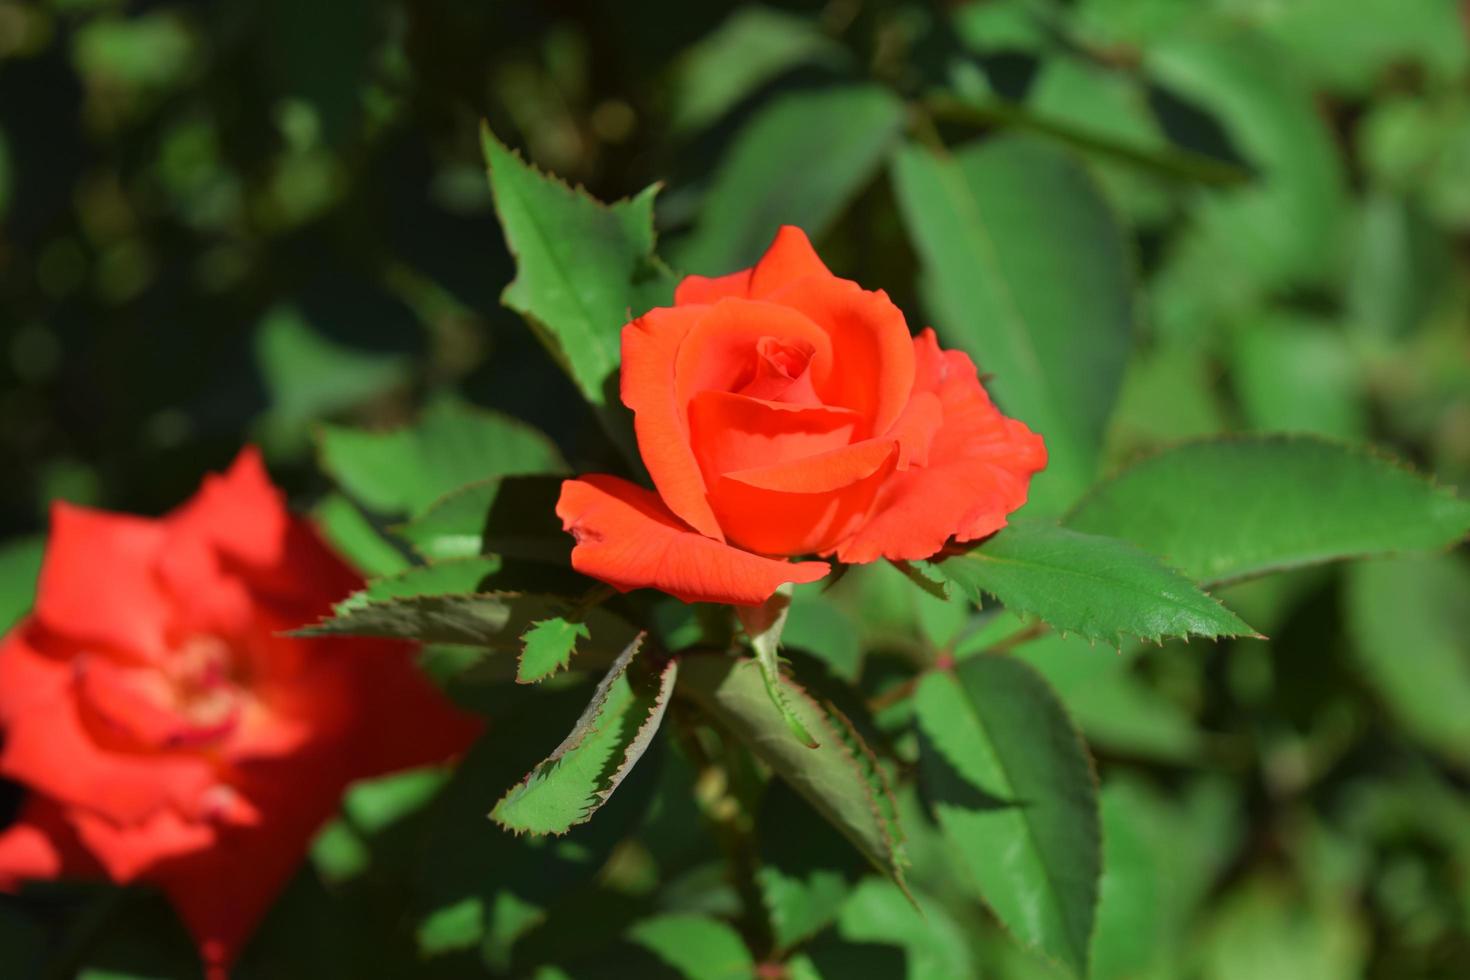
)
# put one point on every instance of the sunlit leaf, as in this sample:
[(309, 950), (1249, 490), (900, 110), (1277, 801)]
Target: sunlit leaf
[(934, 944), (583, 270), (1293, 374), (407, 469), (1099, 588), (608, 740), (354, 536), (695, 946), (1223, 510), (548, 647), (512, 516), (1014, 791)]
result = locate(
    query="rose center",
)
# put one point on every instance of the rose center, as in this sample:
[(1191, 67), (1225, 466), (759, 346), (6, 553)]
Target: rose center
[(202, 674), (779, 371)]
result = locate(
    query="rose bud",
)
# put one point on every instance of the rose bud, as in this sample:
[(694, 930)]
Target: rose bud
[(782, 411), (166, 729)]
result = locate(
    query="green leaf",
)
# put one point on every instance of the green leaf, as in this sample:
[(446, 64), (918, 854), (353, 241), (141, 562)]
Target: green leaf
[(452, 444), (1113, 105), (1224, 510), (608, 740), (1026, 270), (759, 187), (445, 577), (1011, 784), (935, 946), (1168, 395), (1133, 920), (1099, 588), (548, 647), (817, 625), (1266, 928), (450, 602), (458, 926), (20, 564), (516, 881), (763, 625), (839, 778), (469, 619), (354, 536), (1285, 227), (1349, 48), (583, 270), (429, 603), (1401, 264), (1409, 620), (309, 376), (1114, 707), (751, 47), (454, 525), (805, 871), (1295, 374), (1149, 892), (695, 946), (511, 516)]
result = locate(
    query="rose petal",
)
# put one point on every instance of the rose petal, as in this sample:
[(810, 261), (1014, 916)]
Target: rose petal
[(49, 747), (136, 705), (97, 586), (709, 289), (29, 672), (822, 473), (235, 543), (127, 851), (980, 465), (389, 684), (672, 354), (629, 539), (723, 348), (806, 506), (41, 846), (872, 368), (916, 428), (239, 511), (222, 893), (737, 432), (789, 257)]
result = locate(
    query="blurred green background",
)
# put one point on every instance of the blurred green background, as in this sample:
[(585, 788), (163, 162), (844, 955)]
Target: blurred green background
[(229, 221)]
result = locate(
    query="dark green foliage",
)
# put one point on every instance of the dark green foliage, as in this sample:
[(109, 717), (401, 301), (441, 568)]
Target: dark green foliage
[(1213, 252)]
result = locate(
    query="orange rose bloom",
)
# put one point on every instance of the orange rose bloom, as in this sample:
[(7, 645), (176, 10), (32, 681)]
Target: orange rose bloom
[(168, 732), (782, 411)]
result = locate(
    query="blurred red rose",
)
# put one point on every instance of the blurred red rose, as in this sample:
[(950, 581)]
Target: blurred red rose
[(166, 730), (782, 411)]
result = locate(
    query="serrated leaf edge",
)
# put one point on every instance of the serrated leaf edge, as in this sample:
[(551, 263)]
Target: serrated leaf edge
[(585, 727), (1116, 640)]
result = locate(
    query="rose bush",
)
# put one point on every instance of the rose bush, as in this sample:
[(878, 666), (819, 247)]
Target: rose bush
[(783, 411), (165, 727)]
